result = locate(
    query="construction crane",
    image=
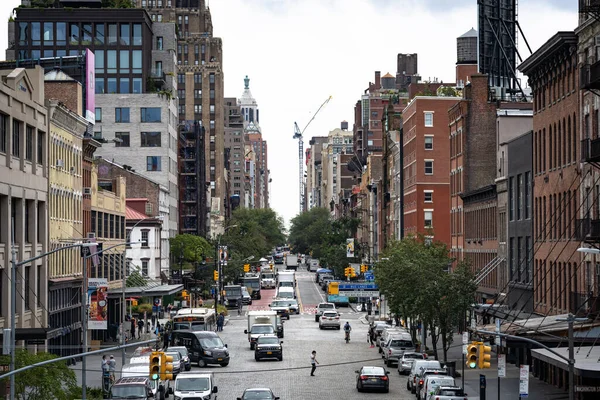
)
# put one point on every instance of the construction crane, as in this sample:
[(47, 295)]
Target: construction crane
[(298, 135)]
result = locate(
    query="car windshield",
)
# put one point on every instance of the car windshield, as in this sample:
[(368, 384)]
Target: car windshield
[(330, 314), (129, 392), (262, 329), (279, 304), (189, 384), (326, 305), (377, 371), (267, 340), (211, 342), (257, 395), (413, 356), (292, 303), (401, 343), (198, 326), (450, 392), (175, 354)]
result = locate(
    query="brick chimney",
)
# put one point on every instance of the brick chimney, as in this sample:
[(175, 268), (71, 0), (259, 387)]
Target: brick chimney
[(377, 80)]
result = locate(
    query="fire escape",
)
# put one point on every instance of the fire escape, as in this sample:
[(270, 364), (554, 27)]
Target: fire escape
[(191, 184), (588, 228)]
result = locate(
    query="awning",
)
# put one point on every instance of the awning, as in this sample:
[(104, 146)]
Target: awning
[(145, 291), (586, 366)]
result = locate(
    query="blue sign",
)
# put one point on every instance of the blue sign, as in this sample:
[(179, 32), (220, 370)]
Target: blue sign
[(358, 286), (369, 276)]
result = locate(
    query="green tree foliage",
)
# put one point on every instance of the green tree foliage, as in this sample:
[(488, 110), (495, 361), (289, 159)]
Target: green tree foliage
[(413, 277), (191, 247), (447, 91), (118, 4), (53, 381), (315, 231)]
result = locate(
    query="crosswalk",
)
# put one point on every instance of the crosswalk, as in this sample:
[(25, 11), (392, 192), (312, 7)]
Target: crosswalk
[(306, 309)]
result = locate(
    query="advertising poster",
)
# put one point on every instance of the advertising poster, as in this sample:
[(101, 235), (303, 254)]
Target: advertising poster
[(98, 303), (349, 248), (90, 82)]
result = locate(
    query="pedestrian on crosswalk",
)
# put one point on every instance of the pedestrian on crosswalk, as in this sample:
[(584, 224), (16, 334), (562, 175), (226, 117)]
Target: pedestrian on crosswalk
[(313, 362)]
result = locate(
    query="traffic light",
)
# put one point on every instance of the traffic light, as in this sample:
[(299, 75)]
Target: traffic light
[(352, 272), (166, 367), (216, 275), (485, 356), (363, 268), (347, 271), (246, 267), (155, 364), (472, 352)]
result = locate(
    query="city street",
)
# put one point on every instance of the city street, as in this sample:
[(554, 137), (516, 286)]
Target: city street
[(335, 376)]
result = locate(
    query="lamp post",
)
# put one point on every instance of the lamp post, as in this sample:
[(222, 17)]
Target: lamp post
[(13, 300), (218, 266), (84, 321)]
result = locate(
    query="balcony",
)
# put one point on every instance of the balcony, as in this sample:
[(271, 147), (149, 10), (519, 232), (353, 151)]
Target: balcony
[(188, 169), (587, 230), (189, 198), (589, 77), (590, 150), (159, 78)]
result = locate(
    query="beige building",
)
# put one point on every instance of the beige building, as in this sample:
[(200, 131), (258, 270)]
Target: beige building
[(24, 200), (339, 141)]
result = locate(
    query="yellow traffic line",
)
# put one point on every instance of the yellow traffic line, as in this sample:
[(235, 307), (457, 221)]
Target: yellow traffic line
[(299, 300)]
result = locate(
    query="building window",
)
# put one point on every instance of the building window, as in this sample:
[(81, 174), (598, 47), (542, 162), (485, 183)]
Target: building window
[(122, 114), (212, 93), (428, 217), (181, 93), (212, 108), (40, 147), (182, 109), (197, 93), (428, 197), (150, 139), (511, 198), (159, 43), (428, 167), (527, 185), (137, 34), (428, 119), (145, 242), (211, 78), (29, 143), (16, 136), (180, 78), (98, 114), (519, 190), (124, 136), (3, 132), (145, 267), (151, 114), (153, 163), (428, 142), (197, 78), (198, 108), (27, 288)]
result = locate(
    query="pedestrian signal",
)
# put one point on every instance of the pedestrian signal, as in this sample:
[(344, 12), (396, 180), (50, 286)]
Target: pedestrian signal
[(485, 356), (472, 352)]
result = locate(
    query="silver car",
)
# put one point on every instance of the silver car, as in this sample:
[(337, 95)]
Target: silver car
[(395, 346), (406, 361), (329, 319)]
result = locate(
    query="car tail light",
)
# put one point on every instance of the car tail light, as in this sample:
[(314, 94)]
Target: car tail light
[(438, 398), (337, 317), (389, 352), (414, 379), (364, 377), (384, 378), (420, 382)]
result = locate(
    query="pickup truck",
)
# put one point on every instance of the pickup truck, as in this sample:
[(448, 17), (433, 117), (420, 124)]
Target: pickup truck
[(267, 280), (260, 323)]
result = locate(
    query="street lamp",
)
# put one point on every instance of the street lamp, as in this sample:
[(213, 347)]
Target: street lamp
[(571, 319), (588, 250), (218, 265), (13, 301)]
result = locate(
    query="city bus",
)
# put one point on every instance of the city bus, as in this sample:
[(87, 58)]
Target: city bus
[(195, 319)]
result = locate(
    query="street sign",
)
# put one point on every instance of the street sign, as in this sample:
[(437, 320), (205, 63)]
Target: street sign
[(587, 389), (524, 381), (358, 293), (465, 349), (465, 337), (501, 366), (358, 286)]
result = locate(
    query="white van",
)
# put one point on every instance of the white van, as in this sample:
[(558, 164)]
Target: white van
[(434, 381), (140, 370), (286, 292), (194, 385)]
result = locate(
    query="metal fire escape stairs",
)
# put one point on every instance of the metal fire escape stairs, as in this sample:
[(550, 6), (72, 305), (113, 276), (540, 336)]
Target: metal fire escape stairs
[(488, 269)]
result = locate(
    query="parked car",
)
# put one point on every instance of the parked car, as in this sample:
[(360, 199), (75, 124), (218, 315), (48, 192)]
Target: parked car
[(258, 394), (323, 307), (329, 319), (379, 327), (246, 297), (406, 361), (178, 364), (432, 382), (422, 378), (447, 393), (385, 335), (395, 346), (415, 370), (370, 378), (185, 355), (268, 346)]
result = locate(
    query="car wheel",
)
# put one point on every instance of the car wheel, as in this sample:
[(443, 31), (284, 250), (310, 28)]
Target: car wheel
[(320, 327), (288, 317), (280, 358), (388, 363), (224, 364), (188, 368), (380, 351), (256, 358), (359, 387), (407, 386), (316, 318), (338, 328), (201, 363), (386, 390)]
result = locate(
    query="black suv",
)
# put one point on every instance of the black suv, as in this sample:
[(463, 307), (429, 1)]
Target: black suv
[(130, 388), (268, 346)]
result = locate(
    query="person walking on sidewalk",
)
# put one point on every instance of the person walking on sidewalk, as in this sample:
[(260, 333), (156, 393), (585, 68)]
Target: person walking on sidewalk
[(313, 362), (220, 322), (112, 367), (372, 336)]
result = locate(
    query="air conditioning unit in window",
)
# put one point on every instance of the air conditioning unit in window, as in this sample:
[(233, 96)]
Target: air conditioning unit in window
[(87, 191), (60, 164), (91, 235)]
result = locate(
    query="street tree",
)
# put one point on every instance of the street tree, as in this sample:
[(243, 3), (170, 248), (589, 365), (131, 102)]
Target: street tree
[(189, 249), (308, 230), (53, 381)]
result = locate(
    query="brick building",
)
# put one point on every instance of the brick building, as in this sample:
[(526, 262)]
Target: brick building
[(234, 149), (559, 283)]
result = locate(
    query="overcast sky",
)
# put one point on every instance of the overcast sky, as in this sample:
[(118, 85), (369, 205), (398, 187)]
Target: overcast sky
[(299, 52)]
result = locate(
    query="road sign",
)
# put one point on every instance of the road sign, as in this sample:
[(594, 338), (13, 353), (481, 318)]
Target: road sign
[(524, 381), (358, 286), (465, 337), (501, 366), (465, 349), (587, 389), (358, 293)]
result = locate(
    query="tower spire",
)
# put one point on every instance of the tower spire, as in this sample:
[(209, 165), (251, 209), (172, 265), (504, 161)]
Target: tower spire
[(246, 82)]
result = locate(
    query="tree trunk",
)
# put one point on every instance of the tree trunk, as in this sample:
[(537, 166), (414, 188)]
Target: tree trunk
[(434, 340), (443, 332)]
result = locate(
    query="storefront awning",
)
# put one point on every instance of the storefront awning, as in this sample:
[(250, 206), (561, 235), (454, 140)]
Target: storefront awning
[(586, 359), (145, 291)]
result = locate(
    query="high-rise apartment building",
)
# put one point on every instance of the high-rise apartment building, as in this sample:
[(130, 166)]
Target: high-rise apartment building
[(314, 171), (200, 92), (235, 151)]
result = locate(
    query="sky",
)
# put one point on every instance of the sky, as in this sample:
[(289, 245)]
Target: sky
[(297, 53)]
